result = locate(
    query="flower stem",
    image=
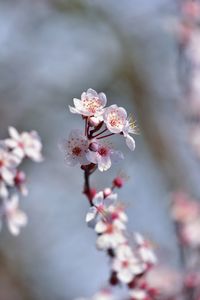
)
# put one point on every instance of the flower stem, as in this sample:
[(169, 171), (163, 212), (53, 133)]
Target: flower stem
[(98, 127), (89, 170), (86, 125), (94, 136), (105, 136)]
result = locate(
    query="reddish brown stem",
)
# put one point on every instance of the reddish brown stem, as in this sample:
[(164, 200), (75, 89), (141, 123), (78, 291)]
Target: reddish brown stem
[(98, 127), (105, 136), (99, 133), (88, 170), (86, 125)]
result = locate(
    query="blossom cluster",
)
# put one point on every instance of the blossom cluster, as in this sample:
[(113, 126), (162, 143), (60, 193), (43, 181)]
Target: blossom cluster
[(129, 261), (13, 151), (88, 146), (130, 258)]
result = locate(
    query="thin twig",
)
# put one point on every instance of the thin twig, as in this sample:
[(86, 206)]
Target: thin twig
[(100, 133), (105, 136)]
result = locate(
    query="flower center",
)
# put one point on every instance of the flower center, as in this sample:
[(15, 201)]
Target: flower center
[(115, 119), (125, 264), (114, 216), (109, 229), (92, 104), (76, 151), (21, 145), (103, 151)]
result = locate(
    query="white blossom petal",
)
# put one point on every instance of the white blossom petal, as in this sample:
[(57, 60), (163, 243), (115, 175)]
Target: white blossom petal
[(3, 190), (104, 163), (98, 199), (13, 133), (130, 142), (91, 215)]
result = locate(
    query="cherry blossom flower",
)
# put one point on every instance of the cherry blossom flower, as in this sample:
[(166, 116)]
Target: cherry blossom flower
[(116, 215), (115, 118), (104, 156), (110, 235), (91, 104), (14, 217), (126, 264), (145, 251), (116, 121), (75, 148), (25, 144), (12, 152), (100, 203), (8, 163), (111, 227)]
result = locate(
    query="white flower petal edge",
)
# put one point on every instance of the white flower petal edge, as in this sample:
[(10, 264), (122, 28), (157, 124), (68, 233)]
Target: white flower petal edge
[(91, 215), (15, 218), (130, 142), (91, 104)]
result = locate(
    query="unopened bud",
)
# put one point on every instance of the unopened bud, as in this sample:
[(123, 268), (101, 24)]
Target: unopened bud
[(93, 121), (118, 182), (107, 192), (94, 147), (20, 178)]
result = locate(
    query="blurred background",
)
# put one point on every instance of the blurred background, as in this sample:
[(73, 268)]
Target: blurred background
[(51, 51)]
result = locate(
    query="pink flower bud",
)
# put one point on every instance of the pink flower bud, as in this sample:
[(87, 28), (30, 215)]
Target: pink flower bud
[(94, 121), (20, 178), (94, 147), (118, 182), (107, 192)]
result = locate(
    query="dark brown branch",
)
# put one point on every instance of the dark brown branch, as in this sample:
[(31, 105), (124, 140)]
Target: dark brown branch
[(88, 170)]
